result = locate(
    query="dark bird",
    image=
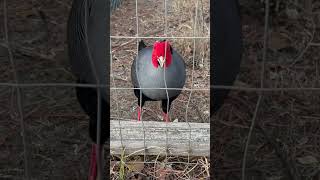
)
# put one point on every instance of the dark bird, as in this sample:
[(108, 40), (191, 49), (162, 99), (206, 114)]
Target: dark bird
[(158, 66), (87, 46), (227, 48)]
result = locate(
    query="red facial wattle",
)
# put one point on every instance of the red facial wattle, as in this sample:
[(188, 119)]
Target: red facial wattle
[(159, 50)]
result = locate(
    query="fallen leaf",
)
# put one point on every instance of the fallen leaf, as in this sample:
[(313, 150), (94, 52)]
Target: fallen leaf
[(277, 41), (274, 178), (307, 160), (189, 49), (3, 51), (136, 167), (292, 13), (273, 75), (303, 141)]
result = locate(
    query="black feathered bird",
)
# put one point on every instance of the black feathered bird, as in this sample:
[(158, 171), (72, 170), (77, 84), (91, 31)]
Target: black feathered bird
[(158, 66), (87, 46), (227, 48)]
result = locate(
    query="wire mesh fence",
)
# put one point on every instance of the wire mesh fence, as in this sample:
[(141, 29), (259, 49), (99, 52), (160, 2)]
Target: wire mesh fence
[(160, 144), (192, 133), (18, 85)]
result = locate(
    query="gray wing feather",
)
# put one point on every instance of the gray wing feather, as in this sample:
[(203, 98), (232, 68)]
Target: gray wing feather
[(134, 79)]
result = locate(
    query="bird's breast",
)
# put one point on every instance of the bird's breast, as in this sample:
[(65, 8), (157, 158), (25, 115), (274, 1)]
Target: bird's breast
[(150, 77)]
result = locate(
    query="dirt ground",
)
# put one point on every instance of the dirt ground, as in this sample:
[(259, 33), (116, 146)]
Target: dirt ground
[(285, 141), (57, 129)]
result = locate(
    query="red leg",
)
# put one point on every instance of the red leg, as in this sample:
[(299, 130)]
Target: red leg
[(166, 117), (139, 113), (93, 163)]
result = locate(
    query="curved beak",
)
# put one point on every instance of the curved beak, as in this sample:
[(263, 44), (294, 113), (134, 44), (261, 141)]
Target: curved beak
[(161, 61)]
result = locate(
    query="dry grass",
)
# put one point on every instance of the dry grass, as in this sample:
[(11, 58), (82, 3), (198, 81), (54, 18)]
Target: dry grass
[(159, 167)]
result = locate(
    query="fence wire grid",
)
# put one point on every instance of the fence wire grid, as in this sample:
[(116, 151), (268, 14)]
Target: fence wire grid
[(151, 137), (18, 86), (116, 116)]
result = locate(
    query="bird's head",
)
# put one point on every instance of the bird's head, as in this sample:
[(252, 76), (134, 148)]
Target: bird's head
[(161, 54)]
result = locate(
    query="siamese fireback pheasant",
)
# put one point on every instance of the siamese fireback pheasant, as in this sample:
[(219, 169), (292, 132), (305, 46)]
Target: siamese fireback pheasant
[(158, 66)]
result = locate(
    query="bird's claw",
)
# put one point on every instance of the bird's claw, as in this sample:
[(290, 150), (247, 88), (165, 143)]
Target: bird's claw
[(166, 117)]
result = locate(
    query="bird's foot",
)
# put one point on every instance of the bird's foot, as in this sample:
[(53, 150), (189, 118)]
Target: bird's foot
[(166, 117), (93, 163)]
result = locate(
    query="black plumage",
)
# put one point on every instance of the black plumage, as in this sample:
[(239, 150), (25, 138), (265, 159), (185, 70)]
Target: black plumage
[(88, 58), (88, 100), (227, 48), (88, 55)]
